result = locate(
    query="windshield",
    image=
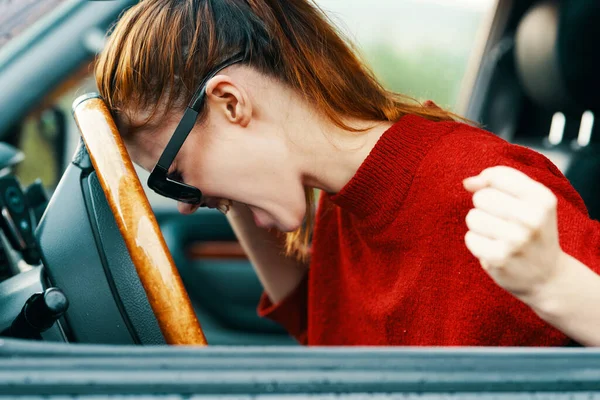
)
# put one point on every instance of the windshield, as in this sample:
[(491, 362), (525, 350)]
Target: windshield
[(17, 15)]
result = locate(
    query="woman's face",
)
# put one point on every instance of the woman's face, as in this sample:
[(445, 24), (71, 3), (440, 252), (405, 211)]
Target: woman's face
[(239, 152)]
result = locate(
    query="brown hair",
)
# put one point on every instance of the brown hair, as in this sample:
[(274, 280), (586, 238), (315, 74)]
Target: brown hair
[(160, 50)]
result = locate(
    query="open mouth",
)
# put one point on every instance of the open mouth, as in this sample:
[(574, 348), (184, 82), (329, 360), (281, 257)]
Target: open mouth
[(219, 204), (223, 206)]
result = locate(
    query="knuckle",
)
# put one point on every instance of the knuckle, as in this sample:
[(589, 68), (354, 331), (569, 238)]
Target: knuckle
[(471, 218), (551, 201), (522, 238), (501, 169), (497, 261), (487, 171), (468, 237), (471, 244), (546, 198), (482, 197), (471, 239), (499, 256), (486, 266), (497, 168), (543, 216), (546, 214), (477, 199), (503, 253), (493, 173), (537, 218), (526, 236)]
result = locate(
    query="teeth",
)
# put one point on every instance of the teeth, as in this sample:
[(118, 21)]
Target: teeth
[(223, 209), (224, 206)]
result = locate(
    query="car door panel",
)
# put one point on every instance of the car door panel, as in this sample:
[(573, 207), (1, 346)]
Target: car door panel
[(219, 278)]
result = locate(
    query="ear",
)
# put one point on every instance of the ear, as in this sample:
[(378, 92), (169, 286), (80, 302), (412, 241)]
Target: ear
[(228, 97)]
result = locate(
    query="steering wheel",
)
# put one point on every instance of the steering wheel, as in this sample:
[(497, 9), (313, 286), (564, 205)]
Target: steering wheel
[(137, 223)]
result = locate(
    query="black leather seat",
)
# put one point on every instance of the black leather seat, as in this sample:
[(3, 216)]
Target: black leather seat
[(557, 64)]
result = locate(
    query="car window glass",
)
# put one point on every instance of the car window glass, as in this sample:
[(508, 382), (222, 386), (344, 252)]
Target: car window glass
[(420, 48), (16, 16)]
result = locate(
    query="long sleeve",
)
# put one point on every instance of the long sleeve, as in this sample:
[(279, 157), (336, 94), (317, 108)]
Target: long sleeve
[(290, 313), (579, 235), (467, 152)]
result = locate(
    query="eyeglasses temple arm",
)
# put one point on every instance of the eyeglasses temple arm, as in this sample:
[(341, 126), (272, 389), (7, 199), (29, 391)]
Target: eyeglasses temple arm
[(181, 133), (189, 117)]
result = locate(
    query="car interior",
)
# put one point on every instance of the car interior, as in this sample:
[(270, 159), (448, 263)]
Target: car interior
[(537, 85), (91, 329)]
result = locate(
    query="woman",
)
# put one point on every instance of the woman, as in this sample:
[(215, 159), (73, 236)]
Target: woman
[(279, 104), (513, 232)]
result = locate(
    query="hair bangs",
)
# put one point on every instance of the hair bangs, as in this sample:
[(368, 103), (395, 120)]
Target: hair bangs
[(149, 60)]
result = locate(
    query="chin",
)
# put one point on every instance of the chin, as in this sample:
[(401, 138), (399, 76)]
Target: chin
[(278, 224), (289, 227), (284, 222), (290, 223)]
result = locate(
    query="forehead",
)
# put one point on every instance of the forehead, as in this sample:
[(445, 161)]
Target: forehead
[(145, 142), (134, 119)]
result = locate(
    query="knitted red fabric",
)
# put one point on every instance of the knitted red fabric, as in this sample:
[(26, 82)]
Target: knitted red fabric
[(389, 264)]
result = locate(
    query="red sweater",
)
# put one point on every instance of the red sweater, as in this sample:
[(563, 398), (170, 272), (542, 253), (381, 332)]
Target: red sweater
[(389, 265)]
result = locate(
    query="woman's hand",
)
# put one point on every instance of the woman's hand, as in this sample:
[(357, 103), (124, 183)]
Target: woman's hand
[(513, 231)]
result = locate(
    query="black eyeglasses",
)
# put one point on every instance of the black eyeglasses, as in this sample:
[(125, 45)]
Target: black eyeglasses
[(159, 179)]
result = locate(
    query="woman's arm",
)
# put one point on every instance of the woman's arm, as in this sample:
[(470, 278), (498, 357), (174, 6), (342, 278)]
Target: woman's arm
[(513, 232), (279, 274), (571, 302)]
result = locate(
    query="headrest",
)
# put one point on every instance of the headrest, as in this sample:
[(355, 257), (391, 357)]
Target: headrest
[(557, 54)]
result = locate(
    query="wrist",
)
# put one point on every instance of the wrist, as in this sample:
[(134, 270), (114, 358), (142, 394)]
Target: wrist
[(548, 299), (543, 298)]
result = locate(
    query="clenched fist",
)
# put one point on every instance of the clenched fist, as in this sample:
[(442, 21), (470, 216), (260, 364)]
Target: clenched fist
[(513, 230)]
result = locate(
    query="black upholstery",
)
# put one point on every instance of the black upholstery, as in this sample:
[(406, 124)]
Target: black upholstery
[(557, 65), (579, 57), (537, 58), (578, 51), (584, 174), (557, 56)]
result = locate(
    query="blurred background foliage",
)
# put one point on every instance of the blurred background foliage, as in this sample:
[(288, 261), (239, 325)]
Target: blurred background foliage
[(416, 47), (427, 73)]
